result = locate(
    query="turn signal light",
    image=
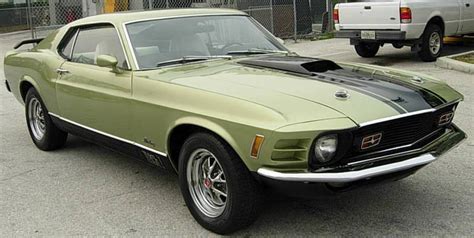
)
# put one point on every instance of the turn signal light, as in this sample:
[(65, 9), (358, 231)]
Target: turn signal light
[(335, 16), (405, 15), (257, 143)]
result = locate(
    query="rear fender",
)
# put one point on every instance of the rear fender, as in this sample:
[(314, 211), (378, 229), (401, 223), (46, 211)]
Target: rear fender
[(27, 79)]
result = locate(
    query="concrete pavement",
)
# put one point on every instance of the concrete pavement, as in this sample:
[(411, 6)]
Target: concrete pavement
[(85, 189)]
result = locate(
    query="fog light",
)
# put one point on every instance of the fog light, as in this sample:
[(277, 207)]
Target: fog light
[(325, 148)]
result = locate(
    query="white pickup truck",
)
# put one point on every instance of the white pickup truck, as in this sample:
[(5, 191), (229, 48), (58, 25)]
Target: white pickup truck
[(420, 24)]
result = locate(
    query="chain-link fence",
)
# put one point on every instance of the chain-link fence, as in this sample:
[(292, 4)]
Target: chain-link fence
[(13, 19), (284, 18)]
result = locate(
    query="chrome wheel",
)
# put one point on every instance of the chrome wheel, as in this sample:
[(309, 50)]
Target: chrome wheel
[(36, 119), (435, 43), (207, 183)]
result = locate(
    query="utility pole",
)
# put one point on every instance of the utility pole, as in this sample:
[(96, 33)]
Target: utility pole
[(295, 25), (52, 12), (29, 17)]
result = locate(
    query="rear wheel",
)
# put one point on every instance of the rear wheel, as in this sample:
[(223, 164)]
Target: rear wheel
[(43, 132), (217, 187), (431, 43), (367, 49)]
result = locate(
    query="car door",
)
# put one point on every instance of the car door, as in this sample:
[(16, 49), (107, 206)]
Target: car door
[(467, 16), (93, 96)]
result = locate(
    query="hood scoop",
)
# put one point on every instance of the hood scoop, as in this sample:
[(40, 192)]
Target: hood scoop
[(293, 64)]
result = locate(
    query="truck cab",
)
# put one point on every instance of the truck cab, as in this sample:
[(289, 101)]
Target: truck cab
[(419, 24)]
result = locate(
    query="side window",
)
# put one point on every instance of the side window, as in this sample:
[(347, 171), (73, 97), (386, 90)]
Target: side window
[(98, 40), (65, 48)]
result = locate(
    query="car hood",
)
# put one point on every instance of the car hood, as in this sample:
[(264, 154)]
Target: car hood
[(308, 89)]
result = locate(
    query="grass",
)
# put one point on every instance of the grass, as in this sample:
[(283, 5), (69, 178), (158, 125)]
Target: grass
[(326, 36), (467, 58), (322, 36), (5, 29)]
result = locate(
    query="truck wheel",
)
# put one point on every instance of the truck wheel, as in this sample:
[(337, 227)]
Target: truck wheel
[(397, 45), (43, 132), (431, 43), (367, 50), (217, 187)]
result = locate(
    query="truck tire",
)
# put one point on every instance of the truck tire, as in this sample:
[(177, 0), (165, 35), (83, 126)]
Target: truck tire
[(217, 187), (43, 132), (366, 49), (397, 45), (431, 43)]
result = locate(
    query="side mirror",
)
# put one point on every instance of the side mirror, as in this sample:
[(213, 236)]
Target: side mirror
[(280, 40), (108, 61)]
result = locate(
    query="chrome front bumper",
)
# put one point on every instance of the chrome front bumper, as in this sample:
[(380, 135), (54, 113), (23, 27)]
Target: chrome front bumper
[(349, 176), (450, 140)]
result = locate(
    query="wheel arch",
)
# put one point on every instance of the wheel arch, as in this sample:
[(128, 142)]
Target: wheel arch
[(186, 127), (436, 19), (25, 84)]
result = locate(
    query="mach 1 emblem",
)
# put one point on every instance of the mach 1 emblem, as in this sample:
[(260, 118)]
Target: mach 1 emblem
[(371, 141), (445, 118)]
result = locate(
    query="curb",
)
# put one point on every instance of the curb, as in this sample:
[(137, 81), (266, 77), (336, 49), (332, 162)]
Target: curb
[(448, 63)]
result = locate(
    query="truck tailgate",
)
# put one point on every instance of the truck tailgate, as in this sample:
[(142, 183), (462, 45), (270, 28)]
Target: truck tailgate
[(380, 15)]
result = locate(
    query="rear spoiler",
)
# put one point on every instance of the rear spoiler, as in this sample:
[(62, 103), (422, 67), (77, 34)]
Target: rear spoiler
[(30, 41)]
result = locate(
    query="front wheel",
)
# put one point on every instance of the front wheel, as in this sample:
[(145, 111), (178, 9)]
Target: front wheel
[(366, 49), (398, 45), (218, 189), (43, 132)]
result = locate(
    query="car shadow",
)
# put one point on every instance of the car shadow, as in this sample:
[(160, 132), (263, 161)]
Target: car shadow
[(391, 57), (335, 214), (362, 212)]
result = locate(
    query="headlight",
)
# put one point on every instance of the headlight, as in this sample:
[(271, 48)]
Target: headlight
[(325, 148)]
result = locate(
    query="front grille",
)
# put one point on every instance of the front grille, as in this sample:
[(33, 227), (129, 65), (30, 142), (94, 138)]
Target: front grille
[(398, 135), (414, 130)]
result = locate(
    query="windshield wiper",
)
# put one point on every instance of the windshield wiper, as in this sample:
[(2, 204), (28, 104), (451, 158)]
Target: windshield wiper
[(255, 51), (187, 59)]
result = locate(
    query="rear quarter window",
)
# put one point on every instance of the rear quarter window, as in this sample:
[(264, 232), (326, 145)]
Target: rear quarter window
[(67, 43)]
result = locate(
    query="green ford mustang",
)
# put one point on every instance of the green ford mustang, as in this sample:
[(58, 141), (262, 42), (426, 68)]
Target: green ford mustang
[(213, 96)]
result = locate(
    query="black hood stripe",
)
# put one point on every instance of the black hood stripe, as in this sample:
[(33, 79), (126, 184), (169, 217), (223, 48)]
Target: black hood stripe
[(353, 87), (401, 96), (432, 98)]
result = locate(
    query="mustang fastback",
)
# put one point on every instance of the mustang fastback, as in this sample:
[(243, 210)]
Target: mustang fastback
[(211, 95)]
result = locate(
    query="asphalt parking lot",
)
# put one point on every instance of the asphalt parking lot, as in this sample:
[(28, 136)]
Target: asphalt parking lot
[(85, 189)]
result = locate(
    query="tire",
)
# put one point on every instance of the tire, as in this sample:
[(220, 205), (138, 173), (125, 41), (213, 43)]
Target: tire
[(240, 207), (397, 45), (367, 50), (45, 135), (431, 43)]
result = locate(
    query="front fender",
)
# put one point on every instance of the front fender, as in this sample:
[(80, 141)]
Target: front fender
[(204, 123), (238, 136)]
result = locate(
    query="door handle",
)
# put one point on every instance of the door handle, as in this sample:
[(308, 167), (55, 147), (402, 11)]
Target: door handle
[(62, 71)]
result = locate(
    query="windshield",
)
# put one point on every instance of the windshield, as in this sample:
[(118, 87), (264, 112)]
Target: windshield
[(208, 37)]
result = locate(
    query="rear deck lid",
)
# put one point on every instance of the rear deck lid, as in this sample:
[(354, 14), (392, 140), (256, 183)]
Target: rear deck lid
[(373, 15)]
